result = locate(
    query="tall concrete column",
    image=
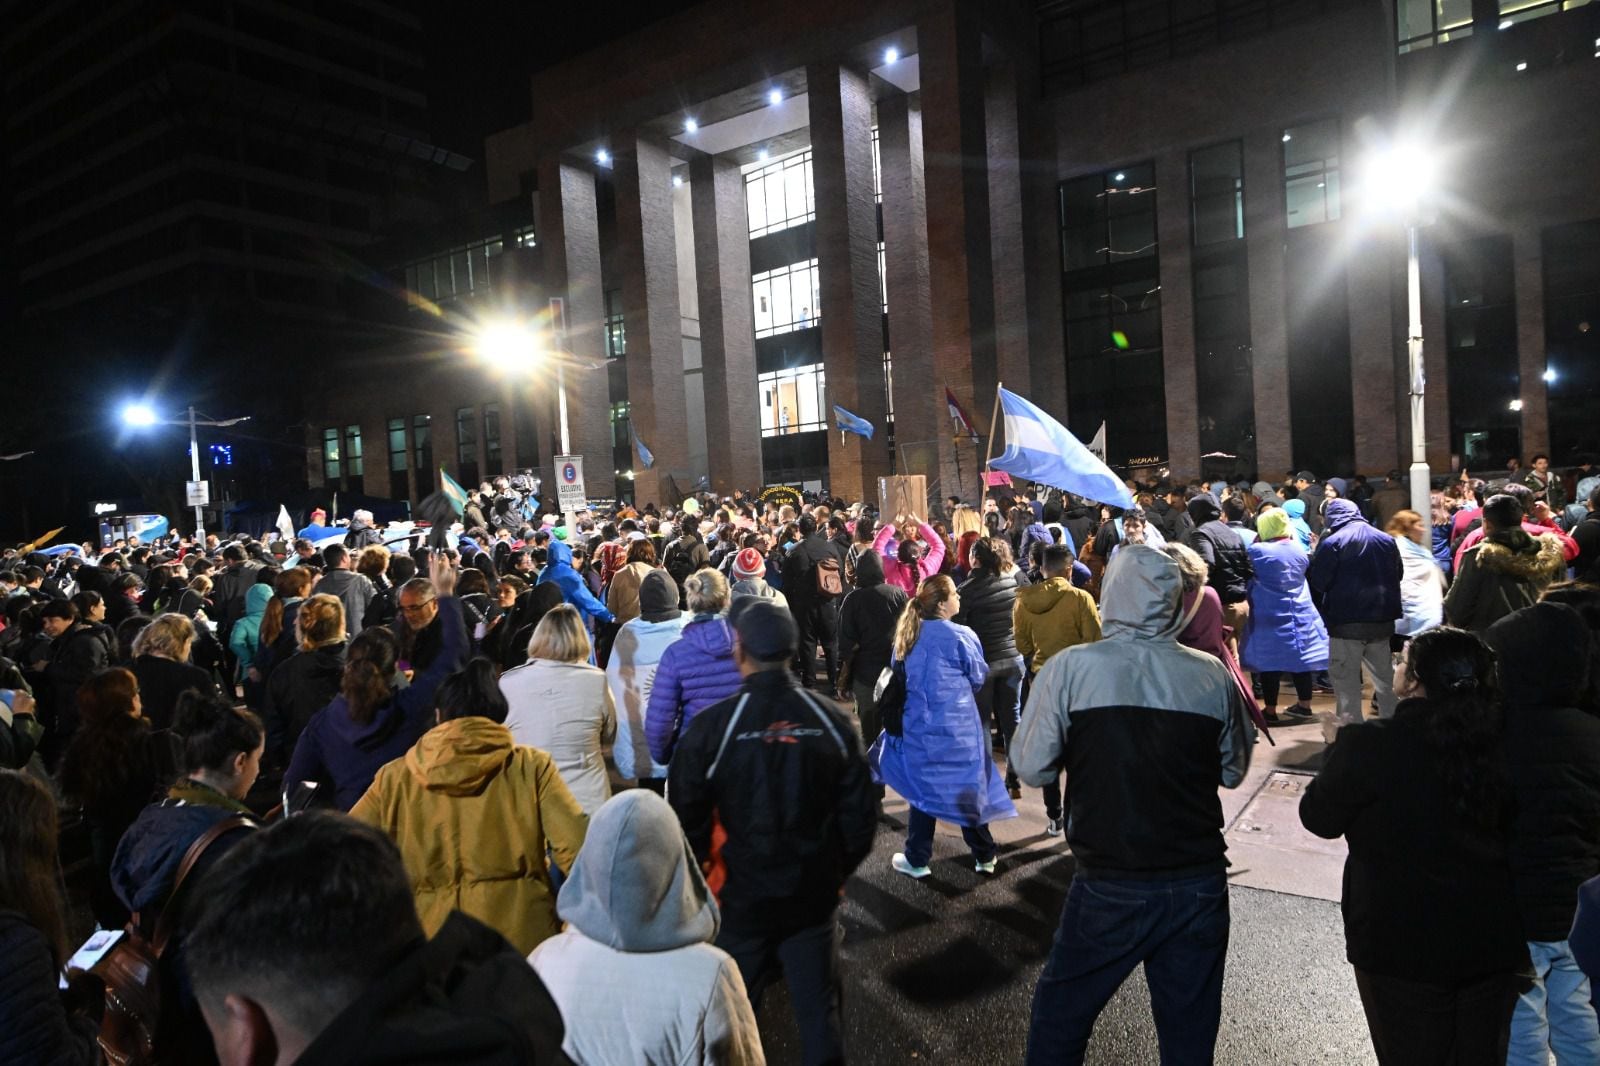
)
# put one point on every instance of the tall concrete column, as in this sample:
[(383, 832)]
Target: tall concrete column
[(961, 276), (1435, 362), (1374, 352), (847, 265), (1528, 278), (647, 258), (1005, 237), (1265, 232), (727, 337), (920, 418), (1175, 250), (1041, 244), (569, 238)]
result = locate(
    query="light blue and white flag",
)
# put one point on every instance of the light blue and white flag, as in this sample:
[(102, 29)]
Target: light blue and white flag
[(647, 458), (851, 423), (1038, 448)]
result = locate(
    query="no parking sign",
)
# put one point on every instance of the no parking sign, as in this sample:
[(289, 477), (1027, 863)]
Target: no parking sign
[(569, 483)]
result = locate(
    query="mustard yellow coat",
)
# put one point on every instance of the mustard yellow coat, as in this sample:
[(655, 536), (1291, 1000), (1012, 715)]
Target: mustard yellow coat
[(472, 814)]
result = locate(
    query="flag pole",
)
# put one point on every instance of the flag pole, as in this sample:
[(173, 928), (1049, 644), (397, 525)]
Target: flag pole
[(994, 418)]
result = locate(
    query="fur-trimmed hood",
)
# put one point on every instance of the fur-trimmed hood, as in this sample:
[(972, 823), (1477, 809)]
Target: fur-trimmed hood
[(1520, 555)]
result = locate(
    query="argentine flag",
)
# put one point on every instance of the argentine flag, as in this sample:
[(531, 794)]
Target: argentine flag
[(1038, 448), (647, 458), (851, 423)]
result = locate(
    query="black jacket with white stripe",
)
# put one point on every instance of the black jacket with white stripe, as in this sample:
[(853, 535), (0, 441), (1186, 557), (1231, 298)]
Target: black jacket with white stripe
[(782, 771)]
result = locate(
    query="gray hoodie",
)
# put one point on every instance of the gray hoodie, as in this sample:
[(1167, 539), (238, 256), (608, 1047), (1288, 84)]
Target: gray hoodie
[(635, 974)]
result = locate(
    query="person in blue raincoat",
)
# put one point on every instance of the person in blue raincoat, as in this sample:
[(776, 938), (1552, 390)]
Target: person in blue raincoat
[(1286, 634), (1296, 510), (942, 764), (560, 572)]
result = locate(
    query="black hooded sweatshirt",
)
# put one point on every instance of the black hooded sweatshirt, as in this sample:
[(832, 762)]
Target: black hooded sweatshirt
[(867, 618)]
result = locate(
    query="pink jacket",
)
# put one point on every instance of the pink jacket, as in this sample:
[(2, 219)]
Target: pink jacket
[(909, 577)]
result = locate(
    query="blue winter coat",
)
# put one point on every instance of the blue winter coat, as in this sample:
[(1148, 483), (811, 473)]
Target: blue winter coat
[(1355, 573), (344, 755), (696, 671), (1296, 510), (558, 570), (1285, 631), (943, 764)]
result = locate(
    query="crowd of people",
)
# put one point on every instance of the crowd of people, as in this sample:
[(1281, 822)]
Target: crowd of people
[(588, 791)]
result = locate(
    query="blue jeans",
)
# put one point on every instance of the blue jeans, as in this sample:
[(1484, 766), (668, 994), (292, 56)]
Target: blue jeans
[(1000, 702), (919, 839), (1178, 929), (1554, 1015)]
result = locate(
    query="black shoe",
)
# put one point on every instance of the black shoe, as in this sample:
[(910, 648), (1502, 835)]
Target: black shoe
[(1014, 788)]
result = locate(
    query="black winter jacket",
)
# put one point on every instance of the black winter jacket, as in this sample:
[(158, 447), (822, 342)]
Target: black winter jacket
[(1222, 548), (784, 772), (867, 619), (987, 600), (162, 681), (800, 571), (298, 688), (1427, 894), (1553, 747), (34, 1024)]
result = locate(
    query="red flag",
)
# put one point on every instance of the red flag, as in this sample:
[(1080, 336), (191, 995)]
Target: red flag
[(996, 477), (959, 414)]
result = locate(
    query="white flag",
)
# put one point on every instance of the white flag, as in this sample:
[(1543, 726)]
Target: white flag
[(284, 526), (1097, 443)]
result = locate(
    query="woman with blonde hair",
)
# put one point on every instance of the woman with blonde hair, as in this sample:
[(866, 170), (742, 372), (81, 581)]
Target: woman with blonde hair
[(308, 680), (697, 669), (942, 762), (562, 705), (161, 663), (1421, 582)]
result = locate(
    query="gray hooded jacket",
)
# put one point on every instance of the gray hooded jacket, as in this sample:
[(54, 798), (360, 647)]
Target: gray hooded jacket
[(1145, 728), (635, 974)]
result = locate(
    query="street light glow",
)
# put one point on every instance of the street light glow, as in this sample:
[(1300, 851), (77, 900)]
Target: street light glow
[(690, 125), (508, 345), (1550, 375), (602, 157), (139, 414), (775, 97), (1402, 177), (891, 55)]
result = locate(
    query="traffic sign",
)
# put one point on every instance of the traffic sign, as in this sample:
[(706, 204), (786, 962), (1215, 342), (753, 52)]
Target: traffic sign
[(569, 483), (198, 493)]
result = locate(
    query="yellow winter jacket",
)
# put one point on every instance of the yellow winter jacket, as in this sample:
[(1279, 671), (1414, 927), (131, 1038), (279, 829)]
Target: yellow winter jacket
[(473, 814), (1050, 617)]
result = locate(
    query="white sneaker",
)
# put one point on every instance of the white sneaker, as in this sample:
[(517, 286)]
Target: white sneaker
[(1053, 827), (902, 866), (985, 867)]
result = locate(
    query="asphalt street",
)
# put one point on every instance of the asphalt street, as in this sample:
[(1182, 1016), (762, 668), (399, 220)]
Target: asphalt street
[(943, 970)]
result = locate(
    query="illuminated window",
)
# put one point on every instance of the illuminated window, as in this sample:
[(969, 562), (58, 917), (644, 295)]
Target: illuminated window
[(352, 451), (787, 299), (793, 401), (1515, 11), (883, 280), (1311, 173), (1216, 183), (330, 454), (779, 195), (397, 445), (422, 446), (877, 168), (1421, 23), (616, 329)]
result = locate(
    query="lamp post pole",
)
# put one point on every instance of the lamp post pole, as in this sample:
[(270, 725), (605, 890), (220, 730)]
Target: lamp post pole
[(1421, 478), (194, 470)]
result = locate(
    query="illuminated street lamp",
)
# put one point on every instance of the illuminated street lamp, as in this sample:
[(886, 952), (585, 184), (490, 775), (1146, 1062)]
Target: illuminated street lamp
[(1401, 179), (143, 416), (513, 346)]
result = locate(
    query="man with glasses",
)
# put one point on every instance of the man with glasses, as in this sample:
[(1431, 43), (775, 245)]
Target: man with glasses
[(416, 624)]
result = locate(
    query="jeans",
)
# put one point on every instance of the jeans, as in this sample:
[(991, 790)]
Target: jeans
[(1555, 1014), (1178, 929), (817, 623), (1052, 791), (1345, 659), (1417, 1023), (919, 839), (809, 962), (1000, 702)]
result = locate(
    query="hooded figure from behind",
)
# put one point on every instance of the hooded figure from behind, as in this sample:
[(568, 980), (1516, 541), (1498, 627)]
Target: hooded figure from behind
[(560, 572), (635, 974)]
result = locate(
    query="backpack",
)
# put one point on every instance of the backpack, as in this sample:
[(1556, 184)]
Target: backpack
[(139, 1011), (889, 697), (829, 579)]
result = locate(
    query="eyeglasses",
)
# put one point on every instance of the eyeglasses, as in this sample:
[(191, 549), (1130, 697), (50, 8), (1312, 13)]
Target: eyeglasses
[(415, 607)]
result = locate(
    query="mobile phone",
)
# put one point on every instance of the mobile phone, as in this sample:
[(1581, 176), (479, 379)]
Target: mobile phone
[(93, 950)]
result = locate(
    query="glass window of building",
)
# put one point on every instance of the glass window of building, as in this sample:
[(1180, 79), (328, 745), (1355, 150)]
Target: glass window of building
[(1216, 189), (616, 328), (422, 448), (460, 271), (1224, 371), (491, 439), (1311, 172), (793, 401), (888, 386), (1481, 339), (397, 445), (330, 455), (1321, 393), (352, 451), (877, 168), (1421, 23), (883, 280), (1515, 11), (779, 194), (619, 425), (787, 299), (1111, 294), (1571, 255), (467, 446)]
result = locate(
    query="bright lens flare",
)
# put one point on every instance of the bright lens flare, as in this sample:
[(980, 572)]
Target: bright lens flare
[(508, 346), (138, 414), (1402, 177)]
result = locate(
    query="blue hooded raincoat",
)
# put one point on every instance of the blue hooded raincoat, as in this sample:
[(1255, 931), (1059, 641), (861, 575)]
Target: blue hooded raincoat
[(943, 765)]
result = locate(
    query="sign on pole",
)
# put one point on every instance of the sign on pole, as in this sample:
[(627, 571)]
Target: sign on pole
[(569, 484), (198, 493)]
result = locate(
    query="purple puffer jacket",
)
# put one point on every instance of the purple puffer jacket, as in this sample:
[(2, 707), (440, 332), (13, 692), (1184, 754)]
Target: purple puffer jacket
[(696, 671)]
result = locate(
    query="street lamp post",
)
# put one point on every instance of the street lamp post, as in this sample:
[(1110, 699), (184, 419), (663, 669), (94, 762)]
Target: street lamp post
[(140, 416), (515, 347)]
